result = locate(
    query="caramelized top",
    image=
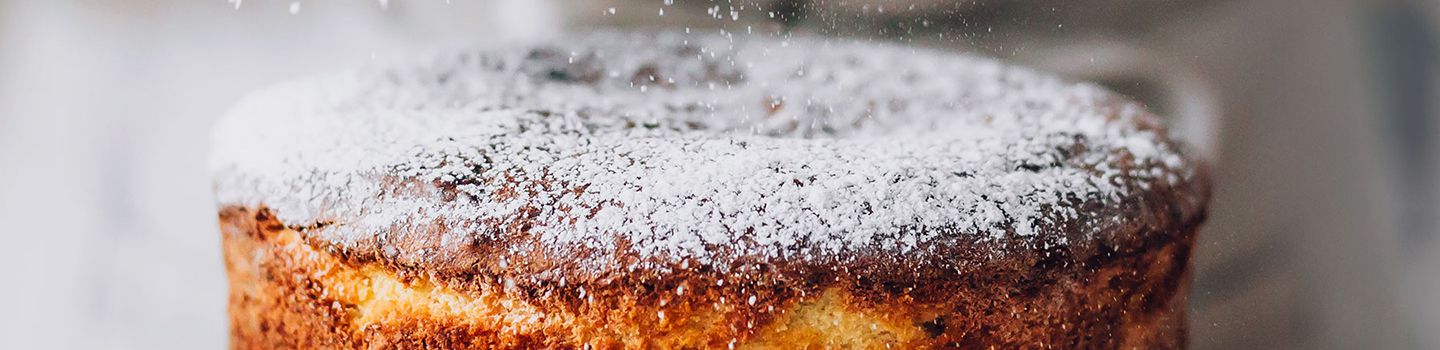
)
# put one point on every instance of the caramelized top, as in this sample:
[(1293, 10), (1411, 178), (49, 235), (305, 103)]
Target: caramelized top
[(612, 153)]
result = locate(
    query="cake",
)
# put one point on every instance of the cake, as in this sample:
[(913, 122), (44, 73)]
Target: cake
[(671, 190)]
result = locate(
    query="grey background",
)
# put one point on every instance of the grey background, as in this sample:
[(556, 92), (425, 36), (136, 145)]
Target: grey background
[(1323, 229)]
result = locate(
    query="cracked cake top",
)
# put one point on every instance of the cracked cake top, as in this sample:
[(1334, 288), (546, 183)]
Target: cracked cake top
[(651, 150)]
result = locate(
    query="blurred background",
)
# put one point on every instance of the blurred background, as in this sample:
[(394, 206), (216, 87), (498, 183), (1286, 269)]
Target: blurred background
[(1320, 117)]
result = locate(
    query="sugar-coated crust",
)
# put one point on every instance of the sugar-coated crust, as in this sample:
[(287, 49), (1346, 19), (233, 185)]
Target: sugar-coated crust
[(290, 292), (571, 161), (669, 190)]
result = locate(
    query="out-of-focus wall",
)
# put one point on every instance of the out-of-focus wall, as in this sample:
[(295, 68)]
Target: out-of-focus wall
[(108, 236)]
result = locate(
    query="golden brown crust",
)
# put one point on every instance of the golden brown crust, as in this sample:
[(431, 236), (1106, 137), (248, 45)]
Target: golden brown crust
[(291, 292), (545, 175), (1141, 221), (555, 225)]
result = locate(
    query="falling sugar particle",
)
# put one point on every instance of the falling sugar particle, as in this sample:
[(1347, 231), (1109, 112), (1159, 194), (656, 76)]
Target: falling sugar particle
[(294, 8), (610, 11)]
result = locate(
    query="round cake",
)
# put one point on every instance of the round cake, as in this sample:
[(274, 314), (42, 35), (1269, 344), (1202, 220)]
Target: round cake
[(703, 191)]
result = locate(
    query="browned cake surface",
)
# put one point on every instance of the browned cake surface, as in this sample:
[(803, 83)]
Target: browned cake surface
[(288, 293), (704, 191)]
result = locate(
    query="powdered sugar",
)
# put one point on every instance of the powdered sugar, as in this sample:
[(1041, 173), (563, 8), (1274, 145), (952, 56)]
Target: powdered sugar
[(686, 146)]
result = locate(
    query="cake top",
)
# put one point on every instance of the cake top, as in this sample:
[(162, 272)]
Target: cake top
[(647, 149)]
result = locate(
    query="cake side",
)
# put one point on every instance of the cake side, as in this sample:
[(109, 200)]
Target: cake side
[(286, 292)]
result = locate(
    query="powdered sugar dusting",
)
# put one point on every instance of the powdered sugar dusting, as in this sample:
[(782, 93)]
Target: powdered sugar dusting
[(698, 147)]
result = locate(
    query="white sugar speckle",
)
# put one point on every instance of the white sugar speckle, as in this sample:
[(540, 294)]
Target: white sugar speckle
[(689, 147)]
